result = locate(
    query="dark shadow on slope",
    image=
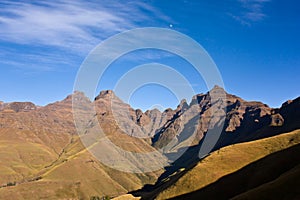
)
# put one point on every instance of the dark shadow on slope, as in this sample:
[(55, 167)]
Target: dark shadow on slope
[(252, 176), (251, 129), (189, 129), (284, 187), (150, 191), (187, 161), (291, 116), (248, 131)]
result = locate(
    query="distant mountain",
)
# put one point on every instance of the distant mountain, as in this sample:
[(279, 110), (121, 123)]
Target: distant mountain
[(17, 106), (41, 153), (41, 150)]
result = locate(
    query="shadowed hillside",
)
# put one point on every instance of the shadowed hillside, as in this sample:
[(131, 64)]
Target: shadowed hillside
[(241, 168), (42, 152), (270, 171)]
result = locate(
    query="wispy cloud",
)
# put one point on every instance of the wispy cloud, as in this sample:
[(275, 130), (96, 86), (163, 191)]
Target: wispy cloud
[(73, 26), (35, 61), (251, 11)]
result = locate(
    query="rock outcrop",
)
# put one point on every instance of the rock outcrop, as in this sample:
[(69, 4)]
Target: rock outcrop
[(51, 133), (18, 106)]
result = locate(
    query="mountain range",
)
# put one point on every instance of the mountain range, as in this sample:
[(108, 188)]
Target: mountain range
[(44, 154)]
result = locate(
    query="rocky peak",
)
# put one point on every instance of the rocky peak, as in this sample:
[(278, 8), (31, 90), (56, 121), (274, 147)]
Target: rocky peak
[(183, 105), (169, 113), (76, 94), (141, 118), (217, 88), (289, 102), (197, 99), (105, 94), (155, 111), (20, 106)]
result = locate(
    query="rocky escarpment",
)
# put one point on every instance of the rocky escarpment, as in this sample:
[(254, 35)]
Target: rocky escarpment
[(133, 122), (227, 115), (17, 106), (237, 120), (50, 131)]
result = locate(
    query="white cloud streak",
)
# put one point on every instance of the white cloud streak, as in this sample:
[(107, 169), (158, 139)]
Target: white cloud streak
[(252, 11), (64, 23), (71, 26)]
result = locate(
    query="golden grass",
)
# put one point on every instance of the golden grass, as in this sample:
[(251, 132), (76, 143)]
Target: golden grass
[(76, 174), (19, 160), (127, 197), (285, 186), (228, 160)]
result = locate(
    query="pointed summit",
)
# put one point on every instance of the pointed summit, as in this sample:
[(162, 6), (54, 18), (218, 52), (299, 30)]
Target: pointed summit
[(76, 94), (217, 88), (217, 93), (183, 105), (105, 94)]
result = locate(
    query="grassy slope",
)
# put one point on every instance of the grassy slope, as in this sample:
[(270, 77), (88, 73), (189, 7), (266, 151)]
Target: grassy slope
[(226, 161), (23, 155), (39, 153), (17, 160), (126, 197), (285, 186), (255, 175), (76, 174)]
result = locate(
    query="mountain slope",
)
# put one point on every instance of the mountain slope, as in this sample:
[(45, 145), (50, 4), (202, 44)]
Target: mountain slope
[(237, 168), (286, 186), (77, 174), (42, 152)]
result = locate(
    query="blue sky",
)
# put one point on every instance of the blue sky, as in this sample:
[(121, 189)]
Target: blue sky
[(254, 43)]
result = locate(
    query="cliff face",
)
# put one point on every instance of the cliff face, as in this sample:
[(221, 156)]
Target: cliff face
[(50, 133), (172, 131), (41, 150), (238, 121), (17, 106)]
